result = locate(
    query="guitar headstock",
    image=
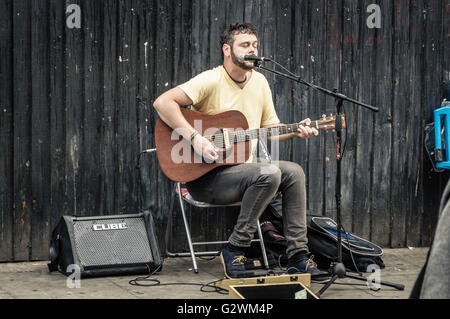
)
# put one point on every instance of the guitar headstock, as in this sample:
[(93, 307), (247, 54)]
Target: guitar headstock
[(328, 122)]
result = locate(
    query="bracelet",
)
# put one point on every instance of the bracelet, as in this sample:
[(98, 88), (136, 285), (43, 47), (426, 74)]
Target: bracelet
[(193, 135)]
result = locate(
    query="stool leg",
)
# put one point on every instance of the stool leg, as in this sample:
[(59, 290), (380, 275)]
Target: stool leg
[(263, 247), (188, 232), (169, 224)]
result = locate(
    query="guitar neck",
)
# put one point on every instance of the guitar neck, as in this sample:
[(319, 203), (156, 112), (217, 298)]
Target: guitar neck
[(246, 135), (232, 136)]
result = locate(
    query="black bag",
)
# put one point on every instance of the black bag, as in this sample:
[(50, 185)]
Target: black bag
[(357, 253)]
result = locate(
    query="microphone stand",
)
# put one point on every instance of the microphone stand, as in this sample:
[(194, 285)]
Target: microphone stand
[(337, 269)]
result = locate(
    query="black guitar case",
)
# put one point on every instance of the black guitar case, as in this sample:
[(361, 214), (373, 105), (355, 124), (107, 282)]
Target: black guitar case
[(357, 253), (359, 246)]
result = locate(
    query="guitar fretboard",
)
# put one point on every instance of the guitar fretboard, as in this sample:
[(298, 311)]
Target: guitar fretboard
[(251, 134), (231, 136)]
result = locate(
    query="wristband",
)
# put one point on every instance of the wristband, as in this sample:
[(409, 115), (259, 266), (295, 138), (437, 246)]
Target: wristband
[(193, 135)]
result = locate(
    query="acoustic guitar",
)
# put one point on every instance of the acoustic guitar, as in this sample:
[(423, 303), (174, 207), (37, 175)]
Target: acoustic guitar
[(228, 131)]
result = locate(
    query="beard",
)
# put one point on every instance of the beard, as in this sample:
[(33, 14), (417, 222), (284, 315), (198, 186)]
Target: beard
[(241, 64)]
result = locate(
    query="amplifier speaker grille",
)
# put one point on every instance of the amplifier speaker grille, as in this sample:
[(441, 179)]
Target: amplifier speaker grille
[(113, 246)]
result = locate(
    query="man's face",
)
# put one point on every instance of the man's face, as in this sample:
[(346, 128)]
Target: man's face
[(244, 44)]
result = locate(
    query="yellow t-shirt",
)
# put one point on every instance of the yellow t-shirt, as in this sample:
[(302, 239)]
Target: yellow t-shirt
[(214, 92)]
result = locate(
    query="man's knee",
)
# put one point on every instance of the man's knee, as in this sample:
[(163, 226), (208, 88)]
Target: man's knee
[(293, 170), (271, 179)]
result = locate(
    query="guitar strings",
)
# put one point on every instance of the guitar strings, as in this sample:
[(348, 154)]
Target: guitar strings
[(245, 135)]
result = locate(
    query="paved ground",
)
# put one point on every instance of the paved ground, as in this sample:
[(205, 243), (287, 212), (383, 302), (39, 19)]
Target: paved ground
[(31, 280)]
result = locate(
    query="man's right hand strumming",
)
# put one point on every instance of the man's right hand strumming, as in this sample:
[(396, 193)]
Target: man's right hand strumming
[(203, 147)]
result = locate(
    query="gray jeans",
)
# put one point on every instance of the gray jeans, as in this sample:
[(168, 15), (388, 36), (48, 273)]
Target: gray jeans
[(255, 184)]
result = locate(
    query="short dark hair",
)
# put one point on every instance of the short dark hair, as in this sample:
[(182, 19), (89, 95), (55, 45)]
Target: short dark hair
[(236, 28)]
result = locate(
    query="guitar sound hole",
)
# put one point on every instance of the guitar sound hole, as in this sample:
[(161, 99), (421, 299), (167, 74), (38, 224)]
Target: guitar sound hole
[(218, 139)]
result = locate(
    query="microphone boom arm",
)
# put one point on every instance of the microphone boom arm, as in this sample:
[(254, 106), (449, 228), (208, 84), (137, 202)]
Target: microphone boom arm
[(318, 88)]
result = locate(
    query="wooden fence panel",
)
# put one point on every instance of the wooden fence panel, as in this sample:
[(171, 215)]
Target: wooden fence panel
[(57, 117), (22, 107), (401, 96), (109, 167), (349, 85), (40, 138), (363, 183), (380, 219), (6, 132)]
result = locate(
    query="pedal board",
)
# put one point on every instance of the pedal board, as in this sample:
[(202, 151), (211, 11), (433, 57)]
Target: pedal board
[(269, 287), (266, 277)]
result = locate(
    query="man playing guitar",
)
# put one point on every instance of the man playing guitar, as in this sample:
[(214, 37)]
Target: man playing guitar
[(237, 86)]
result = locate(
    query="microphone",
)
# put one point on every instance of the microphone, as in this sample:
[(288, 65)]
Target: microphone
[(243, 57)]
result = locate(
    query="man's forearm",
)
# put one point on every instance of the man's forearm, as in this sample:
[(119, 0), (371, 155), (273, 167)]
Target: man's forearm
[(170, 113)]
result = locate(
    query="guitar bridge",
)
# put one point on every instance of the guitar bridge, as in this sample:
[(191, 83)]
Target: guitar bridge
[(226, 140)]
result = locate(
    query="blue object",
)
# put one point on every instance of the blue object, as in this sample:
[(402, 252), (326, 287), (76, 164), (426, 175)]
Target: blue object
[(344, 236), (443, 160)]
